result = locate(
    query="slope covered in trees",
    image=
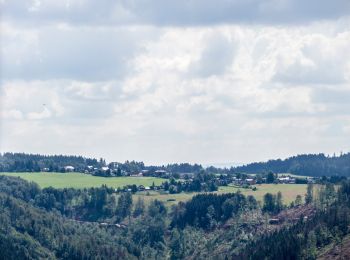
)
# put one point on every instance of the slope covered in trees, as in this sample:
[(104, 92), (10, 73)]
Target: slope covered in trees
[(99, 224), (309, 165), (21, 162)]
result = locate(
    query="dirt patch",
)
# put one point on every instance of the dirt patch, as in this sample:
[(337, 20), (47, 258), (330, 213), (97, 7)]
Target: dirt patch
[(337, 251), (294, 214)]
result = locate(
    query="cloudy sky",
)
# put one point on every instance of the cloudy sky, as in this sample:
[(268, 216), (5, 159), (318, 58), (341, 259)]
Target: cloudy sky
[(215, 81)]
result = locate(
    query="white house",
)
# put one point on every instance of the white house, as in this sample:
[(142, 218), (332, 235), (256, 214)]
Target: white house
[(69, 168)]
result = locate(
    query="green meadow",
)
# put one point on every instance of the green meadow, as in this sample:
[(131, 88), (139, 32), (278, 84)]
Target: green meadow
[(81, 180), (289, 193)]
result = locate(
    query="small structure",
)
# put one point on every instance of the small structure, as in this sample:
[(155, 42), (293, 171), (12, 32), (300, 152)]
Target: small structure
[(137, 174), (250, 181), (161, 172), (69, 168), (274, 221), (286, 179)]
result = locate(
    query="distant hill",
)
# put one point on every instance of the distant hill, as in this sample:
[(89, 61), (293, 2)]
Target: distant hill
[(307, 164), (22, 162)]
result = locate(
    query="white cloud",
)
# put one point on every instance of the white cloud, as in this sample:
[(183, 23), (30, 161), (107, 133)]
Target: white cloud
[(321, 60), (203, 93)]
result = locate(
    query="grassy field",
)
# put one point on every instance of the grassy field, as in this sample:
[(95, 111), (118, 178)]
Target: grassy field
[(289, 192), (81, 180)]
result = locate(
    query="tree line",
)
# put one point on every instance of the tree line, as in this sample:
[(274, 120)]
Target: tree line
[(307, 164)]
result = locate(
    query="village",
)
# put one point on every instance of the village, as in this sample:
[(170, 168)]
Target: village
[(187, 179)]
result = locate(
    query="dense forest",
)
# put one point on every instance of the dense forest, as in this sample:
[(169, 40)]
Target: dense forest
[(97, 223), (315, 165), (21, 162), (309, 165)]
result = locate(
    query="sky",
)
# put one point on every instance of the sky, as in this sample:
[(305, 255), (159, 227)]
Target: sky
[(162, 81)]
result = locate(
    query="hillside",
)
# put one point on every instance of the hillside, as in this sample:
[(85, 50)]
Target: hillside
[(307, 164), (94, 224)]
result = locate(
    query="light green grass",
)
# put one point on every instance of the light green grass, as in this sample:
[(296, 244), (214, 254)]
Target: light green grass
[(289, 192), (81, 180)]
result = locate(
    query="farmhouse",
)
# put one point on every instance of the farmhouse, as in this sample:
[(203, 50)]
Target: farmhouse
[(69, 168), (250, 181), (161, 172), (286, 179), (140, 174)]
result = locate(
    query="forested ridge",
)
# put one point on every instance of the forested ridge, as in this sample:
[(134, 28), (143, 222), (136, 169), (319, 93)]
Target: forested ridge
[(22, 162), (98, 224), (315, 165), (307, 164)]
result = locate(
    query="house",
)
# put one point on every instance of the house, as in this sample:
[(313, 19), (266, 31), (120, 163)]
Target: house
[(250, 181), (274, 221), (137, 174), (105, 168), (46, 169), (286, 179), (161, 172), (147, 188), (141, 188), (69, 168)]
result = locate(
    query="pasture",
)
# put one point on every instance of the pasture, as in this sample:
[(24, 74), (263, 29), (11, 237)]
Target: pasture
[(289, 192), (81, 180)]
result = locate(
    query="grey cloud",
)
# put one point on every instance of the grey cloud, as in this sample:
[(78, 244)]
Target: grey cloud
[(321, 73), (217, 55), (178, 13), (84, 54), (329, 96)]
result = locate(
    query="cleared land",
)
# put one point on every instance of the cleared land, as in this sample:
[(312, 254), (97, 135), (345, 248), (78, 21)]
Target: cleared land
[(289, 192), (81, 180)]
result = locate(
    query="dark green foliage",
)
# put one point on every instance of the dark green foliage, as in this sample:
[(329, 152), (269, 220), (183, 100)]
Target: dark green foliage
[(124, 205), (157, 208), (42, 224), (202, 209), (310, 165), (270, 178), (139, 208), (31, 233), (21, 162), (309, 194), (300, 241), (273, 203)]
